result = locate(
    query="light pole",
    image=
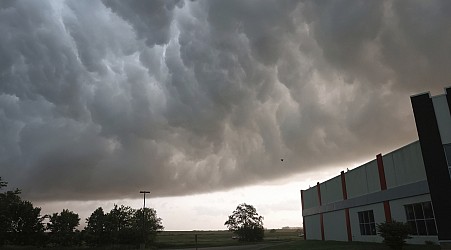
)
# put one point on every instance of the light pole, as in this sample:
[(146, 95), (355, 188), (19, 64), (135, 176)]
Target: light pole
[(144, 217)]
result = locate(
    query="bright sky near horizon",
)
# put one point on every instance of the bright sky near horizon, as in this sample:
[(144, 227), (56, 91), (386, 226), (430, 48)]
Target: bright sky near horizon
[(277, 201), (198, 101)]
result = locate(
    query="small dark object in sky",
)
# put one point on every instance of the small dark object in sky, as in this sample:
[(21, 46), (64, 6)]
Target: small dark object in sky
[(281, 159)]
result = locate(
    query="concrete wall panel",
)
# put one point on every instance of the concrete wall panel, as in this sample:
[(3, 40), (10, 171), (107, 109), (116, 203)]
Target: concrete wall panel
[(404, 166), (310, 198), (331, 190), (362, 180), (372, 173), (313, 227), (356, 182), (390, 172), (335, 226)]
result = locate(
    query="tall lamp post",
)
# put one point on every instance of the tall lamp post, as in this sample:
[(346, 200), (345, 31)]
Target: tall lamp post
[(144, 217)]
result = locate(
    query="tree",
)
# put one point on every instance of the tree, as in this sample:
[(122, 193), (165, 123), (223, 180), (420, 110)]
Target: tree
[(62, 228), (119, 225), (149, 226), (123, 225), (26, 224), (8, 200), (2, 183), (20, 222), (246, 223), (394, 234), (95, 229)]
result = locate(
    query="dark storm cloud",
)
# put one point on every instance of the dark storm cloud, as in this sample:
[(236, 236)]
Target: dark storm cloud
[(99, 99), (150, 19)]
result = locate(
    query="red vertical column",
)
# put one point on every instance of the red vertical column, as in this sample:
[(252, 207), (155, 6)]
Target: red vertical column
[(345, 197), (321, 214), (383, 183), (303, 218)]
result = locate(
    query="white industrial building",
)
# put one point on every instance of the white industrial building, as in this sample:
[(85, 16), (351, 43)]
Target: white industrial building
[(411, 184)]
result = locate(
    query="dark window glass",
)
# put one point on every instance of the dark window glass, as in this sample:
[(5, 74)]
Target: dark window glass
[(413, 227), (421, 227), (418, 211), (416, 214), (366, 223), (362, 229), (367, 229), (409, 212), (430, 225)]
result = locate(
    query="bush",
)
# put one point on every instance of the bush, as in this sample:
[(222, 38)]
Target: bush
[(394, 233)]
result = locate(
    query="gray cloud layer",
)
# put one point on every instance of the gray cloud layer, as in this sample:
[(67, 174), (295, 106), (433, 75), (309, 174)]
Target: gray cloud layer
[(99, 99)]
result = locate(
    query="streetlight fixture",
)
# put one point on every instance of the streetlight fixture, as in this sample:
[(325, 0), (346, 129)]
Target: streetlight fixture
[(144, 196), (143, 245)]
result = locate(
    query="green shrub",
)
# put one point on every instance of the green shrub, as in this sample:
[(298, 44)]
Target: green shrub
[(394, 233)]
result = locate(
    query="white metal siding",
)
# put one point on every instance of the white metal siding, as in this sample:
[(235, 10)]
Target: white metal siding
[(404, 166), (311, 198), (312, 227), (331, 190), (335, 226), (363, 180)]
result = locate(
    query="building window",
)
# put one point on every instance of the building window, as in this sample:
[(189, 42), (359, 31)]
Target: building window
[(366, 222), (447, 148), (420, 217)]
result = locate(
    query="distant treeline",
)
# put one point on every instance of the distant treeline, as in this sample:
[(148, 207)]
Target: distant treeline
[(22, 224)]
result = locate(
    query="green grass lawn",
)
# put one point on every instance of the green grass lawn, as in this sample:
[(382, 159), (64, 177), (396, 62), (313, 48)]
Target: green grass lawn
[(331, 245), (182, 239), (283, 240)]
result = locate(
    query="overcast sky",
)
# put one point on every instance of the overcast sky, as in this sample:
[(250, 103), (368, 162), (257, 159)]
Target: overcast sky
[(101, 99)]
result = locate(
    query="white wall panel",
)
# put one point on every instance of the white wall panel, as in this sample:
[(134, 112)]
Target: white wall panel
[(404, 165), (335, 226), (389, 169), (363, 180), (356, 184), (313, 227), (331, 190), (372, 173), (311, 198)]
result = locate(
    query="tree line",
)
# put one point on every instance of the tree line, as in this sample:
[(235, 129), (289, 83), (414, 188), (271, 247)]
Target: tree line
[(21, 223)]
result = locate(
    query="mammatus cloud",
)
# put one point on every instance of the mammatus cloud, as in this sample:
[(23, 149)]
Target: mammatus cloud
[(99, 99)]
